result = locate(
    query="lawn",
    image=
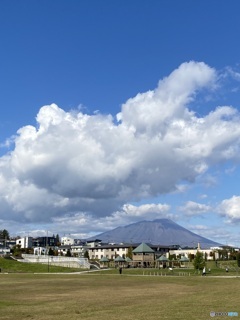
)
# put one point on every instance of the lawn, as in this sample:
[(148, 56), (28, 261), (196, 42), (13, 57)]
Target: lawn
[(10, 265), (113, 296)]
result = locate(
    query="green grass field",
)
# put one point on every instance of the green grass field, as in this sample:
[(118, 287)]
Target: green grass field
[(29, 296), (104, 296), (10, 265), (136, 294)]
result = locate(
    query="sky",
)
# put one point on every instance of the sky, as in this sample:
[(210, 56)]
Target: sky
[(114, 112)]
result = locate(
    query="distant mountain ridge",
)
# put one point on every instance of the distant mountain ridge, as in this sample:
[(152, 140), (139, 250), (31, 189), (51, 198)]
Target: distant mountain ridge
[(160, 231)]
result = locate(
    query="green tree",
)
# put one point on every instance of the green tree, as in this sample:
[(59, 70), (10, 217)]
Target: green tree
[(130, 252), (4, 234), (238, 258), (68, 254), (51, 252), (86, 254), (224, 254), (199, 262), (16, 250), (191, 256), (232, 254), (58, 240)]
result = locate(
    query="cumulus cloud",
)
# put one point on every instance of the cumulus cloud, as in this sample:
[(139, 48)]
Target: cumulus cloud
[(230, 208), (73, 164), (126, 215), (192, 208), (152, 112), (130, 213)]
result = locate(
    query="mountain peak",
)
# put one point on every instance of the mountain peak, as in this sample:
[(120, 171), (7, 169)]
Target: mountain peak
[(159, 231)]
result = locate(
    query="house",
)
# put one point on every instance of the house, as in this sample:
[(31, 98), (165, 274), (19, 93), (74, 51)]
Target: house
[(143, 256), (78, 250), (67, 241), (93, 243), (110, 251), (38, 251), (62, 250), (209, 254), (45, 242), (159, 250), (25, 242)]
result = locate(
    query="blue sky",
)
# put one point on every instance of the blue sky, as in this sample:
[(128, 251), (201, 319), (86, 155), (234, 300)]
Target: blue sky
[(112, 112)]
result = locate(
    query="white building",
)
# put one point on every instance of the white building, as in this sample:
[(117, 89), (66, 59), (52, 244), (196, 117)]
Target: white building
[(78, 250), (67, 241), (62, 250), (93, 243), (110, 251), (40, 251), (26, 242), (209, 254)]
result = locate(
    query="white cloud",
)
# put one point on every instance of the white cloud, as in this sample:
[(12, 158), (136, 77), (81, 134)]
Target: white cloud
[(234, 74), (192, 208), (215, 233), (126, 215), (145, 209), (152, 112), (73, 163), (130, 213), (230, 208), (203, 196)]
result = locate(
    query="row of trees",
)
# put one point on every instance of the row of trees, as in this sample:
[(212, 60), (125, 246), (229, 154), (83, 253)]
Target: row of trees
[(199, 261)]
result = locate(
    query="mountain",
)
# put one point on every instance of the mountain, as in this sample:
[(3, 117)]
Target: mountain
[(160, 231)]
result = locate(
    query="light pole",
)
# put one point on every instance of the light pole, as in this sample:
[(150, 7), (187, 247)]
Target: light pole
[(47, 251)]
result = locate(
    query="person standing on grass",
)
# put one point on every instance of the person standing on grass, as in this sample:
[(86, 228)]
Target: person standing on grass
[(204, 271), (120, 270)]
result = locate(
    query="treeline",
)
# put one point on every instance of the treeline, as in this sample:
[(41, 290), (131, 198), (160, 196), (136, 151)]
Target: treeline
[(4, 235)]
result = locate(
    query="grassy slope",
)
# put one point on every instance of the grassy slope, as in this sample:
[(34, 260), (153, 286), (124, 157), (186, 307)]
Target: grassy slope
[(9, 265)]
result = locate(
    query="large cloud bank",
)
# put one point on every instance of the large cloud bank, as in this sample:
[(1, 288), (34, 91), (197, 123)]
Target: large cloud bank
[(73, 163)]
